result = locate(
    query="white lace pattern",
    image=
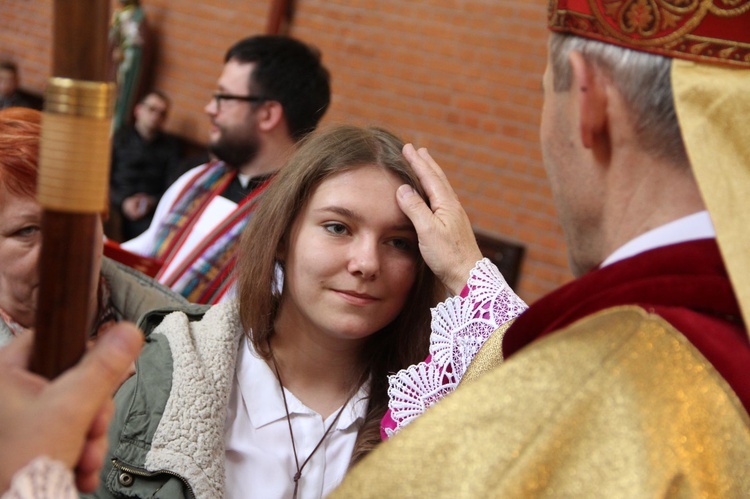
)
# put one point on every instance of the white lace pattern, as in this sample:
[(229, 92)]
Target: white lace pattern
[(42, 478), (460, 326)]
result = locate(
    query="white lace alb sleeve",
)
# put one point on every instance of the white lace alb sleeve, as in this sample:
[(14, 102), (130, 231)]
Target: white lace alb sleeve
[(460, 326), (42, 478)]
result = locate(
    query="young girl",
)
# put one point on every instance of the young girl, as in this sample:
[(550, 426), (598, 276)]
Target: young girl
[(278, 393)]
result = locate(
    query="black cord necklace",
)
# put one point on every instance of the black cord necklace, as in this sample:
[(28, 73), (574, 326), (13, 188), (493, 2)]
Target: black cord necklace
[(298, 475)]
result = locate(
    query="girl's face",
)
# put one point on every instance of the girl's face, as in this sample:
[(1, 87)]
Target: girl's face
[(351, 258)]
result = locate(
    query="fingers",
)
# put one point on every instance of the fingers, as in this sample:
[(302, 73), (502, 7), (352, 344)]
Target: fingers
[(103, 366), (446, 238), (92, 382), (83, 394), (65, 419), (414, 207), (88, 481), (101, 422), (431, 176), (427, 158), (94, 450)]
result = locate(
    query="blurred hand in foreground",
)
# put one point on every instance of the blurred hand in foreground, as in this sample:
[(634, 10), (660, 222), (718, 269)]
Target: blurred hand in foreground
[(64, 419)]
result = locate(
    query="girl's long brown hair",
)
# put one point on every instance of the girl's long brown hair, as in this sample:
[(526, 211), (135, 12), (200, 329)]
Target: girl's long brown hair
[(325, 153)]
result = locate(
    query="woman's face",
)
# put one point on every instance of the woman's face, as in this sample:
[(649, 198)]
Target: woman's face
[(351, 258), (20, 241)]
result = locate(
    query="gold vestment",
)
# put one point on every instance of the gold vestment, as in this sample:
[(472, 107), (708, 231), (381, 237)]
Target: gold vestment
[(618, 404)]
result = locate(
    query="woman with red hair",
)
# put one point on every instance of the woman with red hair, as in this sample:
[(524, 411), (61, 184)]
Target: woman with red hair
[(20, 219), (122, 292)]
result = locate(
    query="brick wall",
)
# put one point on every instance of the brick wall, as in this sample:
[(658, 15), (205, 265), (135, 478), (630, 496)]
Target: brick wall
[(461, 77), (25, 27)]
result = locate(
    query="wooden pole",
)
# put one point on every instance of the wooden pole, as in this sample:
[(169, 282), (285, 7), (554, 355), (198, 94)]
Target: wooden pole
[(279, 17), (74, 169)]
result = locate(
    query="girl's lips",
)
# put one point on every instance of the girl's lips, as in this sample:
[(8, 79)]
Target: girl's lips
[(356, 298)]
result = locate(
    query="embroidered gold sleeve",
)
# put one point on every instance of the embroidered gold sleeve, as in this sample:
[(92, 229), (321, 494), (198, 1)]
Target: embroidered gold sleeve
[(619, 404)]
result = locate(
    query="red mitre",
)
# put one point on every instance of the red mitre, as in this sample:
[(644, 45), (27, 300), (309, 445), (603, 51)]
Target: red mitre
[(711, 31)]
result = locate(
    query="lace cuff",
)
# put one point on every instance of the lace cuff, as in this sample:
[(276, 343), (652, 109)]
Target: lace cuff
[(42, 478), (460, 326)]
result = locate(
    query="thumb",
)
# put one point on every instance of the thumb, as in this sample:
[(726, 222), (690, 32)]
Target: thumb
[(89, 384), (414, 207)]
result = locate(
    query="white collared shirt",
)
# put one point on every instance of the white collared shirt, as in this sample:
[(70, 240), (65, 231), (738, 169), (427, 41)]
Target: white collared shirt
[(689, 228), (259, 457)]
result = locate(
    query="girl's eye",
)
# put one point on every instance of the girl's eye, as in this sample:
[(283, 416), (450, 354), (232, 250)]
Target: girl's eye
[(402, 244), (337, 229)]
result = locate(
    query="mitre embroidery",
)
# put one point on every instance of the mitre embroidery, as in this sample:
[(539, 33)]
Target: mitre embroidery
[(667, 27)]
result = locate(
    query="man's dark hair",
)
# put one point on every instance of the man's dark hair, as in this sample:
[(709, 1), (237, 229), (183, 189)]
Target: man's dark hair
[(290, 72), (161, 95), (8, 66)]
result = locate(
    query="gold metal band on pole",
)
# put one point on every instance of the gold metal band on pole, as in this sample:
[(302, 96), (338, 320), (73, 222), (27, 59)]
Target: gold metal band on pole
[(75, 146)]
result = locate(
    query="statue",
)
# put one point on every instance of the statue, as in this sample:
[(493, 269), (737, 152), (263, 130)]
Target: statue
[(127, 36)]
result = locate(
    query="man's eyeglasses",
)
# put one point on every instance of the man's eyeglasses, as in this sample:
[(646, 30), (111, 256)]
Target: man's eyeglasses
[(218, 97)]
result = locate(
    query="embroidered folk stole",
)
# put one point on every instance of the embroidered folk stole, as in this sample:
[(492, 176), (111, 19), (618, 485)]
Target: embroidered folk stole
[(205, 275)]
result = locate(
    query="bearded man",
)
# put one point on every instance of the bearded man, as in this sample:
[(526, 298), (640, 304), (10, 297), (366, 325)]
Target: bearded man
[(272, 92)]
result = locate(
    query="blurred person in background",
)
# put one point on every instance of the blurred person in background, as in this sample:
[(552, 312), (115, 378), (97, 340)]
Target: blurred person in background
[(145, 159), (10, 96)]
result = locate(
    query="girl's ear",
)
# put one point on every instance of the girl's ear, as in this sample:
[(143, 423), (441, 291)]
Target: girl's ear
[(281, 251)]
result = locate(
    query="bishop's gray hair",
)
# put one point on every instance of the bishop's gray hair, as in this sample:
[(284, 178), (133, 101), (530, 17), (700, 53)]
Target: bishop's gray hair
[(644, 81)]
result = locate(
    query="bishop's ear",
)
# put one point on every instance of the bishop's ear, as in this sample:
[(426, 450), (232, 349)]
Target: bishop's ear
[(589, 88)]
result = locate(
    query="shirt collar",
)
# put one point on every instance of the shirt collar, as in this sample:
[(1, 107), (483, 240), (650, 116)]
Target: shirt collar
[(689, 228), (356, 408), (263, 401)]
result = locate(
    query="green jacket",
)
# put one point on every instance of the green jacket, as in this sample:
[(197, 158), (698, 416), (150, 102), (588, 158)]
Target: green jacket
[(167, 436)]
